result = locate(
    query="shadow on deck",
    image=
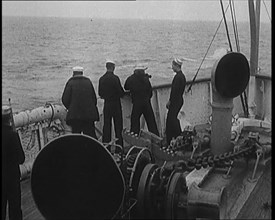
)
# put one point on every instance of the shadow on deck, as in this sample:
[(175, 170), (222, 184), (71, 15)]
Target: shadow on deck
[(259, 204), (253, 209), (29, 209)]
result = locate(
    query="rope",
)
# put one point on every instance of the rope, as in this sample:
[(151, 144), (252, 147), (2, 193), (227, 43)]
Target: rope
[(234, 23), (236, 27), (267, 11), (243, 105), (227, 33), (246, 104), (206, 53), (243, 95)]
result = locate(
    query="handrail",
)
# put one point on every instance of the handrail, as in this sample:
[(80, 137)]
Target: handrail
[(166, 85)]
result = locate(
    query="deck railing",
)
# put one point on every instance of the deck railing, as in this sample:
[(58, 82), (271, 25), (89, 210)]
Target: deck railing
[(196, 110)]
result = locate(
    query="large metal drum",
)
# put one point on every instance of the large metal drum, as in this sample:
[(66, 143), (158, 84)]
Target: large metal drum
[(75, 177)]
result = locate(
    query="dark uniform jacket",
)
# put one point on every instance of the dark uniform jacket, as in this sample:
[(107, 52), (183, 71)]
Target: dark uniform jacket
[(177, 89), (80, 99), (173, 128), (12, 154), (110, 88), (139, 86)]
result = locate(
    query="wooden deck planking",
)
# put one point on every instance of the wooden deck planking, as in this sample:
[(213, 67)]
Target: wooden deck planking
[(253, 208), (30, 211)]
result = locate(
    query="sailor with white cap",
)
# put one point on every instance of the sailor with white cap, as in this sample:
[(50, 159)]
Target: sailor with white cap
[(12, 156), (177, 61), (79, 98), (141, 67), (78, 70), (175, 102), (110, 89), (110, 62), (141, 93)]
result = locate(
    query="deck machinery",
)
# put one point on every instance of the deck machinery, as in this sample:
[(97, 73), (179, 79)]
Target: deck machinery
[(77, 177)]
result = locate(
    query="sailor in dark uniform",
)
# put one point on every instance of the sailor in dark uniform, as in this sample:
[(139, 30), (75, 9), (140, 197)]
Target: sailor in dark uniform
[(175, 102), (80, 99), (12, 156), (141, 92), (111, 91)]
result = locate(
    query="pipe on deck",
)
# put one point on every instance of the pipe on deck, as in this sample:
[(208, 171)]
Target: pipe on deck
[(229, 78), (39, 114), (49, 111)]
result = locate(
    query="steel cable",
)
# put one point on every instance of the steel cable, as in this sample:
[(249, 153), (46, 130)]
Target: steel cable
[(267, 11), (226, 27), (206, 53)]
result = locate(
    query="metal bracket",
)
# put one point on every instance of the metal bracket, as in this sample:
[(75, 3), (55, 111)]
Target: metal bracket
[(259, 154)]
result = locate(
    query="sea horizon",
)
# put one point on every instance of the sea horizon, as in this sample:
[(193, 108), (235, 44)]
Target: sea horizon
[(38, 53)]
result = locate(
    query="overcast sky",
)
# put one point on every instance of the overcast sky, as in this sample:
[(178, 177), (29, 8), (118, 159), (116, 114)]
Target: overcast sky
[(186, 10)]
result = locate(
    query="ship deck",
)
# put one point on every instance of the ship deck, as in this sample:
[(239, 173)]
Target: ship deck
[(257, 206), (253, 209)]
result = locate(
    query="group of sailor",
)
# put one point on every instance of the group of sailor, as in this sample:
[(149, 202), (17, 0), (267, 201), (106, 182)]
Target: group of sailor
[(79, 98)]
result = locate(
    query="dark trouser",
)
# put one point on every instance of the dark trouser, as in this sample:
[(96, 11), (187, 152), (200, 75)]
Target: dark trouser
[(87, 127), (173, 128), (146, 109), (11, 194), (112, 110)]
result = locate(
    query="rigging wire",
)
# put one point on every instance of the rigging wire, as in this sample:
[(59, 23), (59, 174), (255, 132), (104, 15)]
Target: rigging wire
[(226, 27), (234, 22), (267, 11), (236, 26), (206, 53), (246, 104), (243, 95)]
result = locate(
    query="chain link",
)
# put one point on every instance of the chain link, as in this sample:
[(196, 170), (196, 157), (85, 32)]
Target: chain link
[(222, 160)]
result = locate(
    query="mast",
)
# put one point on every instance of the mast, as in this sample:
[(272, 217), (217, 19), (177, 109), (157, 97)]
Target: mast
[(254, 16)]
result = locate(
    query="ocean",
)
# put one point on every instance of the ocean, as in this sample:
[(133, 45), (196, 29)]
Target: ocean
[(38, 53)]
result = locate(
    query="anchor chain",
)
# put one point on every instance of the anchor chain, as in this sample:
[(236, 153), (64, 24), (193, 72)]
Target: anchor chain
[(222, 160)]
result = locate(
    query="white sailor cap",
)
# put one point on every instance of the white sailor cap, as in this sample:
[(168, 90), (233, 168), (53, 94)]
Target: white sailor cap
[(78, 69), (178, 61), (110, 61), (6, 110), (141, 67)]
